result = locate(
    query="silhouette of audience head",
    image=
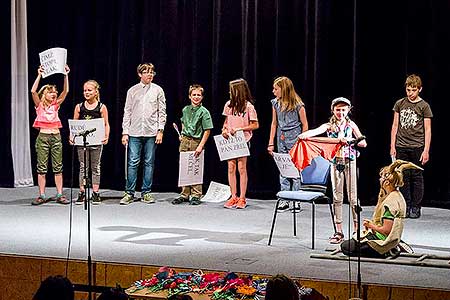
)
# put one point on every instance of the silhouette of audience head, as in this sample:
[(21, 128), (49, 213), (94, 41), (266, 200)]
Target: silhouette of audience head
[(281, 287), (55, 288), (180, 297), (113, 294)]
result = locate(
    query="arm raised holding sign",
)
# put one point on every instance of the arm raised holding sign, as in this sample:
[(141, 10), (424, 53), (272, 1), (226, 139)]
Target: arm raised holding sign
[(47, 103)]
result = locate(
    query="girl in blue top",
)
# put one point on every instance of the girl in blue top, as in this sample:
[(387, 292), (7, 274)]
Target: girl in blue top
[(288, 121), (344, 164)]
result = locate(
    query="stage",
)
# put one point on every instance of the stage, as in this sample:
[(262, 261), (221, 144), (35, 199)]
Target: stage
[(208, 237)]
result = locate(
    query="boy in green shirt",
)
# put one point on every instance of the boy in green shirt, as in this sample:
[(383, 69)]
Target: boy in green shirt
[(196, 125)]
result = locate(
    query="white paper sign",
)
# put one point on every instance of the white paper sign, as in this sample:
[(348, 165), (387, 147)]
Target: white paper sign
[(191, 168), (217, 192), (78, 128), (233, 147), (53, 61), (285, 165)]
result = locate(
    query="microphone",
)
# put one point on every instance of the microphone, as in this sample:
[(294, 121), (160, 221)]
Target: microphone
[(86, 132), (356, 141)]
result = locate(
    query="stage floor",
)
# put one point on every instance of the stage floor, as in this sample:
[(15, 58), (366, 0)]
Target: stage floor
[(208, 237)]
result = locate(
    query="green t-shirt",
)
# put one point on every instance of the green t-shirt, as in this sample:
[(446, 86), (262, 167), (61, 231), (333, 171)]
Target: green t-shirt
[(195, 120), (387, 215)]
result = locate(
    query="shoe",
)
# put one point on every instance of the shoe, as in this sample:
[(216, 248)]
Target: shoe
[(241, 203), (148, 198), (337, 238), (195, 201), (179, 200), (231, 203), (80, 199), (127, 199), (61, 199), (96, 198), (38, 201), (414, 213), (283, 205)]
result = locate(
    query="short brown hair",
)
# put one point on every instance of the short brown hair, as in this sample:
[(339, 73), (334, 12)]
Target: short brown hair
[(413, 80), (145, 67), (195, 87)]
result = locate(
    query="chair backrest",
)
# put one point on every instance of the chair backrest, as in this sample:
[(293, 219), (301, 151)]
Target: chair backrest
[(317, 172)]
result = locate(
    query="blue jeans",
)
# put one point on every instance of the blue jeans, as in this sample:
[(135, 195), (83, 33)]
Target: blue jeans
[(135, 147)]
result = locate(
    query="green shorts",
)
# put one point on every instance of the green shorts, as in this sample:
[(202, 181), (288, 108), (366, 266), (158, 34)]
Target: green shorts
[(49, 144)]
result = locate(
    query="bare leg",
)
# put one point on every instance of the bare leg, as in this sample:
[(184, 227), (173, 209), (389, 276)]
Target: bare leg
[(243, 179), (59, 183), (232, 177), (41, 183)]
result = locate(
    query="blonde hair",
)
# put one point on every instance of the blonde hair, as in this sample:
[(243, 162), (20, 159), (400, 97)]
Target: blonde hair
[(96, 86), (239, 95), (289, 99), (45, 89)]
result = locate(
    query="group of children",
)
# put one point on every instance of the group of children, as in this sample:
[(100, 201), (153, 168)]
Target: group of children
[(410, 139)]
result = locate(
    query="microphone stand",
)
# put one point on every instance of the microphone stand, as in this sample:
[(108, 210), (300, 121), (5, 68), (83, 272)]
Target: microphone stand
[(87, 206), (358, 217)]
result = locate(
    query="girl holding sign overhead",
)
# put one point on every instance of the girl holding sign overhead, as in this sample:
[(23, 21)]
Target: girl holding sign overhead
[(288, 121), (89, 109), (240, 114), (48, 143)]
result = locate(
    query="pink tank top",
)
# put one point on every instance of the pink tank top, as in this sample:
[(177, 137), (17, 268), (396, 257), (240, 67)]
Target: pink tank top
[(47, 117)]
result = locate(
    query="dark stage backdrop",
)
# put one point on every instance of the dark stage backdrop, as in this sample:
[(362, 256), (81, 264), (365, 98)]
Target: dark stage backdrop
[(355, 49)]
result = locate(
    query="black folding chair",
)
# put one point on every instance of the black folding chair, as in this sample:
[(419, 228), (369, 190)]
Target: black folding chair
[(314, 179)]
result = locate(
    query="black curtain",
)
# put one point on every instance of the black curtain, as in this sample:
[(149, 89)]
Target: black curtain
[(356, 49)]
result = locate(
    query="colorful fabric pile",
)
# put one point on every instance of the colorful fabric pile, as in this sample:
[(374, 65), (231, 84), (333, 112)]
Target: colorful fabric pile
[(220, 287)]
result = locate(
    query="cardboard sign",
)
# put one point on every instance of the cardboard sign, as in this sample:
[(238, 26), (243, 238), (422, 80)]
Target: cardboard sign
[(53, 61), (285, 165), (93, 129), (233, 147), (191, 168), (217, 192)]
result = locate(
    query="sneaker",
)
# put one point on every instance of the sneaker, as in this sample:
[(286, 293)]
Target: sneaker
[(231, 203), (80, 199), (126, 199), (61, 199), (148, 198), (337, 238), (179, 200), (283, 205), (414, 213), (96, 198), (195, 201), (241, 203), (38, 201)]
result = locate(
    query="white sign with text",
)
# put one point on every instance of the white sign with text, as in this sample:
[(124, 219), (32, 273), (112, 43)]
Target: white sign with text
[(93, 129), (285, 165), (191, 168), (53, 61), (217, 192), (233, 147)]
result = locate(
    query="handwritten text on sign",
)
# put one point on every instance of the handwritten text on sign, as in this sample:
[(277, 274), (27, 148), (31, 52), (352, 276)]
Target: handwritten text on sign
[(191, 168), (285, 165), (233, 147), (53, 61)]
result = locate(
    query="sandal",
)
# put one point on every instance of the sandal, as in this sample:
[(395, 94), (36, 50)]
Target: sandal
[(62, 199), (38, 201), (337, 238)]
